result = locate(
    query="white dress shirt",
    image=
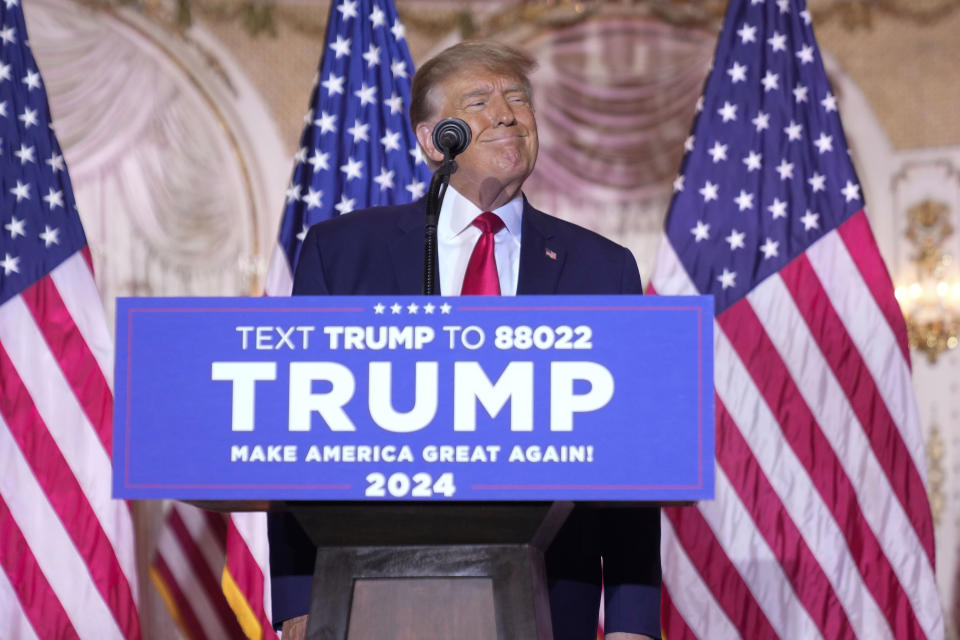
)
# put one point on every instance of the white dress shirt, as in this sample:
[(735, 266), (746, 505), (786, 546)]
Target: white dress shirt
[(456, 238)]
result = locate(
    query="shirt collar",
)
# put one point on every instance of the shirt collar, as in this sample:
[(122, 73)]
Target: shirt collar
[(457, 213)]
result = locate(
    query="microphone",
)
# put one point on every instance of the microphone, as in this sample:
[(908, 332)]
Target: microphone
[(451, 137)]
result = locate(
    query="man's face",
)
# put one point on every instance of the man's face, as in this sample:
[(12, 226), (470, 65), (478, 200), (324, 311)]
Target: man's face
[(503, 149)]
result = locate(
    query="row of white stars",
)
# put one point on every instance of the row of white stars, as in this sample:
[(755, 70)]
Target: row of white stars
[(777, 42), (748, 32), (718, 153), (413, 308), (744, 200), (736, 238), (314, 197), (793, 131), (348, 9), (11, 264), (320, 162), (28, 117), (367, 94), (27, 153), (341, 47), (54, 197), (328, 121), (17, 227), (360, 132), (728, 112), (32, 79), (771, 82), (353, 169)]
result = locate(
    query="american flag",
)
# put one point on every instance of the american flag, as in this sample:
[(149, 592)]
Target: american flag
[(357, 150), (821, 526), (67, 565), (189, 571)]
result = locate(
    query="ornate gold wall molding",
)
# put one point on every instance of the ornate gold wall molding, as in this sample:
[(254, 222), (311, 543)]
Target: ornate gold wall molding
[(855, 14), (485, 18), (928, 227), (258, 17), (935, 473)]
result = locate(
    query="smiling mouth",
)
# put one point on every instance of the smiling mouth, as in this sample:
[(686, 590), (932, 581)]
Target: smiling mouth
[(506, 138)]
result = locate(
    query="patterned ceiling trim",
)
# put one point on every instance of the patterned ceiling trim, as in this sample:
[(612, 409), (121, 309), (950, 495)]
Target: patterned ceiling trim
[(478, 18)]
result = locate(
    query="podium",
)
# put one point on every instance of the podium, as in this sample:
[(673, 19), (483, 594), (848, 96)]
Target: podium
[(424, 571), (431, 448), (420, 571)]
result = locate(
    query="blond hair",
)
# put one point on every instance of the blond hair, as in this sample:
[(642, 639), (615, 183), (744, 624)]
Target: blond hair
[(492, 56)]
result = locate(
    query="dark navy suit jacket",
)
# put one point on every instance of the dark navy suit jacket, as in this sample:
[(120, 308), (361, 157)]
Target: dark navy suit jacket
[(379, 251)]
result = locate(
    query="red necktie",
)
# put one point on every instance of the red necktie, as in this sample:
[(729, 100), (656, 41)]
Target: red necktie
[(481, 278)]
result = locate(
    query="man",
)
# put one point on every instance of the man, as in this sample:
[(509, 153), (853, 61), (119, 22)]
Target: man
[(491, 241)]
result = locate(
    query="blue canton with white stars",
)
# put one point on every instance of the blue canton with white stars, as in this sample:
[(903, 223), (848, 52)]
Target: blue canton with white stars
[(39, 225), (357, 149), (766, 170)]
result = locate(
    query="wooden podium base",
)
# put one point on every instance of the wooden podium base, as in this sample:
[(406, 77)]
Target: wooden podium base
[(470, 592), (465, 571), (394, 608)]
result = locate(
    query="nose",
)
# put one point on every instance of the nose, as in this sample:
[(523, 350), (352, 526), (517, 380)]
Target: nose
[(503, 114)]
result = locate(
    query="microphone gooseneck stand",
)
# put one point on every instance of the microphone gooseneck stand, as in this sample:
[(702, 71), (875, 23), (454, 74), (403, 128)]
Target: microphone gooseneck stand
[(438, 187), (450, 136)]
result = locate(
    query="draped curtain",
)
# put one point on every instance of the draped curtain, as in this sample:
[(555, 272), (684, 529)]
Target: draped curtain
[(162, 188), (614, 100)]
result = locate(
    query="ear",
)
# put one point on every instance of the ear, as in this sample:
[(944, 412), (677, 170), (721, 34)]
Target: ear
[(425, 136)]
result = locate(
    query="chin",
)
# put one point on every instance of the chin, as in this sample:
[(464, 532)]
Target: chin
[(513, 162)]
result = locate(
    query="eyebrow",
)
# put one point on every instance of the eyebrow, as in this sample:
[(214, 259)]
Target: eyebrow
[(477, 93), (486, 91)]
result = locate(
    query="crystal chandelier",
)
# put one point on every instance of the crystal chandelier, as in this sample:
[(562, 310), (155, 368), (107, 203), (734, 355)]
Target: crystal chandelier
[(931, 302)]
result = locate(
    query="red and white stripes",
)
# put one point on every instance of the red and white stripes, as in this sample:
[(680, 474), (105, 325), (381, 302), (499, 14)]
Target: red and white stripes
[(66, 548), (821, 525), (186, 569), (246, 578)]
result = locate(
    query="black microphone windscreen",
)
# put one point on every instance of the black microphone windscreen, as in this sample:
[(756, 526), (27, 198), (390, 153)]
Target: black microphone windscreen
[(451, 136)]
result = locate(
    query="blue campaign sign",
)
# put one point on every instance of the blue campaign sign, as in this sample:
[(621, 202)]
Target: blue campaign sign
[(413, 398)]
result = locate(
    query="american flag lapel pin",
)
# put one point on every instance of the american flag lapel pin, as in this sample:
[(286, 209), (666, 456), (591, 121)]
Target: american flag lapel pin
[(551, 254)]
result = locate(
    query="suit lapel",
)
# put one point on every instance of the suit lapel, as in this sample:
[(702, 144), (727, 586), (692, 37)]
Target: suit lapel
[(406, 250), (541, 255)]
